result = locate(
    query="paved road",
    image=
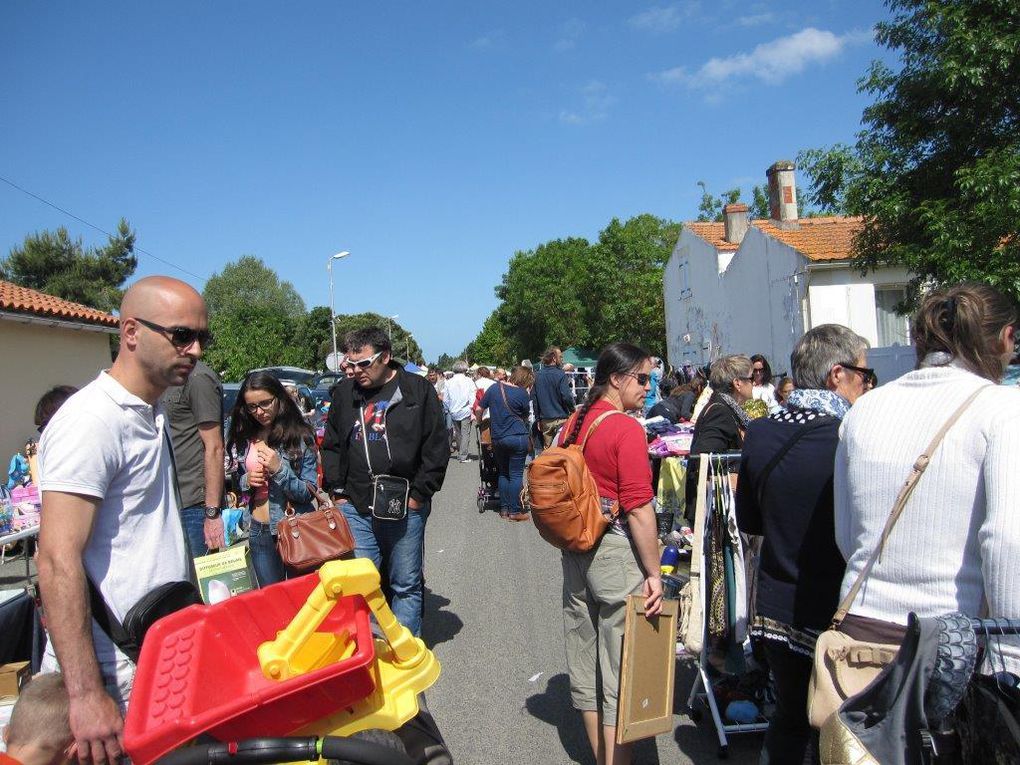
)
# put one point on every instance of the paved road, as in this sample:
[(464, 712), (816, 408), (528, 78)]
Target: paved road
[(493, 617)]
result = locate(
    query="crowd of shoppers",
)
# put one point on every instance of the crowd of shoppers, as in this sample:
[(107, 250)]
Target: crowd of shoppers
[(818, 477)]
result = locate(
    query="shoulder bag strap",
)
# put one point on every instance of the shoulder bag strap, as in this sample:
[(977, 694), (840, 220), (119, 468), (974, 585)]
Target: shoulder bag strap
[(502, 392), (767, 470), (920, 465)]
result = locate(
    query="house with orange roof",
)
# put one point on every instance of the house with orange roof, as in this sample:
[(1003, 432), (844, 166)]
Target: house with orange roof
[(44, 341), (755, 286)]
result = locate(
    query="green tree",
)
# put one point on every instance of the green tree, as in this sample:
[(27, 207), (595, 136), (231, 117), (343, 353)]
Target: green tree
[(572, 292), (710, 208), (405, 347), (936, 170), (760, 203), (493, 343), (445, 361), (249, 281), (624, 271), (543, 296), (312, 338), (58, 265), (248, 337)]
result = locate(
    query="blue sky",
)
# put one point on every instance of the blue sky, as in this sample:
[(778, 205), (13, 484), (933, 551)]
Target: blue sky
[(431, 140)]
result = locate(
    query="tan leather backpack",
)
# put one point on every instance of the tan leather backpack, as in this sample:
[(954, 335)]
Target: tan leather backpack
[(563, 495)]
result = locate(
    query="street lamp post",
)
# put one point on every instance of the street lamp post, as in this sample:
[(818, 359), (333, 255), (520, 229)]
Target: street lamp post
[(389, 325), (332, 311)]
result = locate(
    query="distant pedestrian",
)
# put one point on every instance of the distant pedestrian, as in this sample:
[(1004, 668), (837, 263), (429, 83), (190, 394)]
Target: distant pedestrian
[(654, 395), (553, 398), (460, 396), (762, 388), (783, 390), (509, 404)]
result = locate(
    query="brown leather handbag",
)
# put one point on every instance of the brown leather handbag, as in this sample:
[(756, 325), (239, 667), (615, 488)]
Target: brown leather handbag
[(307, 540)]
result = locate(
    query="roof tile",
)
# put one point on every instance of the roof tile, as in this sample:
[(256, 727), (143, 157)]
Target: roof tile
[(18, 299), (817, 239)]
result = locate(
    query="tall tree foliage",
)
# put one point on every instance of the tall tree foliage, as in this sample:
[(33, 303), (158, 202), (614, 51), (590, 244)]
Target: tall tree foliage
[(405, 347), (251, 336), (312, 339), (575, 292), (248, 282), (53, 263), (936, 170)]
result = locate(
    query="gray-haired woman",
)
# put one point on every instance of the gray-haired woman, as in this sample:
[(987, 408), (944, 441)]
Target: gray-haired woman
[(721, 424), (784, 493)]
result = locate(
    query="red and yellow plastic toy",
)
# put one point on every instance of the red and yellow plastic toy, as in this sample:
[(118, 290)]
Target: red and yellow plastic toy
[(297, 658)]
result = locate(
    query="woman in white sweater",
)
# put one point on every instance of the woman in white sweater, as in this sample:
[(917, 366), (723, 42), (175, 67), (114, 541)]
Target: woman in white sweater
[(957, 543)]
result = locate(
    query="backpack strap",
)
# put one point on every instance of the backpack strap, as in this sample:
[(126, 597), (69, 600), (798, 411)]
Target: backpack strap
[(595, 424)]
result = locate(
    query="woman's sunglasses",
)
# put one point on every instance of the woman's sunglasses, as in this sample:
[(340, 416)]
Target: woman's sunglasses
[(641, 377), (180, 337)]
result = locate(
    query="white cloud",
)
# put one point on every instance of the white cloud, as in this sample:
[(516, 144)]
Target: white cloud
[(771, 62), (487, 41), (756, 19), (570, 33), (663, 18), (596, 101)]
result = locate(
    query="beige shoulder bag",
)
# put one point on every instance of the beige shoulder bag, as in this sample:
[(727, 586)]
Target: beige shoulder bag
[(843, 666)]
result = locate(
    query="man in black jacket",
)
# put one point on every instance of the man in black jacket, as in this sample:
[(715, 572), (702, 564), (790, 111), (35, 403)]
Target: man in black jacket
[(384, 455), (553, 400)]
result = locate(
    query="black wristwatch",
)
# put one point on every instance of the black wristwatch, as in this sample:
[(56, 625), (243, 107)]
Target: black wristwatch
[(212, 513)]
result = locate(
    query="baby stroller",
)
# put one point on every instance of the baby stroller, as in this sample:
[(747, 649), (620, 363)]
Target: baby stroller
[(488, 489)]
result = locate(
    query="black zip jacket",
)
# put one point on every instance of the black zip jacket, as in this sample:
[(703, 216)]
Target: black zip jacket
[(416, 427)]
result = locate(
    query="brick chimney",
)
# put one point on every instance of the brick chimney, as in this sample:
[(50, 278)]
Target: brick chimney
[(735, 222), (783, 195)]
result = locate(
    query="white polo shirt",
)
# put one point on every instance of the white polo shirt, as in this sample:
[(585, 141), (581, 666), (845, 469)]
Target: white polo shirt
[(107, 443)]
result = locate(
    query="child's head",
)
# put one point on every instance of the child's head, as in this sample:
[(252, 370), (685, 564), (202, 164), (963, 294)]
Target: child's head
[(39, 732)]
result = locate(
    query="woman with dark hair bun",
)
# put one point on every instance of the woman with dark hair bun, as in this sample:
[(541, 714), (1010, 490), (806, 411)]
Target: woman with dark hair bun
[(957, 544), (626, 560), (277, 462)]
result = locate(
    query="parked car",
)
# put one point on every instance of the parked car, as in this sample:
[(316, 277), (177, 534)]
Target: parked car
[(290, 374), (326, 380)]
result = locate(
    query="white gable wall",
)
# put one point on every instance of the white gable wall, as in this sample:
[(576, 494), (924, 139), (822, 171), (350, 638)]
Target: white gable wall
[(753, 306)]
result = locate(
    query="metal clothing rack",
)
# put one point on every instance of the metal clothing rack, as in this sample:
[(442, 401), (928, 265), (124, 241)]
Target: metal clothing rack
[(701, 690)]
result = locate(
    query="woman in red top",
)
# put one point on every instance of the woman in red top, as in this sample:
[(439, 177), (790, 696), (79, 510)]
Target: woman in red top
[(626, 560)]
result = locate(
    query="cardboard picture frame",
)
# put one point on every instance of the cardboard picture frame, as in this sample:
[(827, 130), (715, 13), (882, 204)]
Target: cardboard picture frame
[(647, 672)]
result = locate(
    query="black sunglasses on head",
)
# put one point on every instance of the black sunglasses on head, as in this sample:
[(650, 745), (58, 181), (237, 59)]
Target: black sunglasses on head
[(180, 337), (867, 372)]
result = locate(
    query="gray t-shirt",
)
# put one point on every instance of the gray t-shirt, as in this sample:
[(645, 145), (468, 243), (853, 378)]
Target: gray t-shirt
[(198, 401)]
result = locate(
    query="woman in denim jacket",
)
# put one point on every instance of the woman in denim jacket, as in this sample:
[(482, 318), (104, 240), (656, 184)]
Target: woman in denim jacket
[(277, 461)]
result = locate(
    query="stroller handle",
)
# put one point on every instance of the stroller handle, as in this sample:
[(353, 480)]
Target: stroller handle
[(259, 751)]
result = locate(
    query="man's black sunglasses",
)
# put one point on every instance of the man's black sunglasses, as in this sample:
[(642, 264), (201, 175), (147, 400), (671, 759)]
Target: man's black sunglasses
[(180, 337), (868, 373)]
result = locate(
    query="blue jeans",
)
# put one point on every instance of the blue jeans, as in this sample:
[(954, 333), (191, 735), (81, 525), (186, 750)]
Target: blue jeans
[(193, 522), (397, 548), (511, 453), (265, 559)]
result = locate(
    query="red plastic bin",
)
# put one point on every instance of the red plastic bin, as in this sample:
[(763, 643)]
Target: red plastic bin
[(199, 673)]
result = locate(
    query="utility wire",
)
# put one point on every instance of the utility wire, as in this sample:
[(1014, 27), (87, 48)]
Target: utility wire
[(12, 184)]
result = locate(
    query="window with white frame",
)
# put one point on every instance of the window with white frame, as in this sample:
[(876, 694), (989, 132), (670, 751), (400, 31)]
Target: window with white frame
[(893, 328)]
